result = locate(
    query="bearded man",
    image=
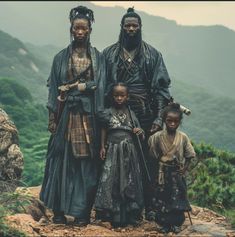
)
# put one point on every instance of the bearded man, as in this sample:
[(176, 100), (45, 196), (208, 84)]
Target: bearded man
[(139, 65)]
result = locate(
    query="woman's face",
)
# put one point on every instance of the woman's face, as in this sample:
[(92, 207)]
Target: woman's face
[(81, 30)]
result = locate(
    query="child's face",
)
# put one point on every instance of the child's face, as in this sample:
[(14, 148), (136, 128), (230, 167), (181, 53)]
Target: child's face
[(172, 121), (120, 95)]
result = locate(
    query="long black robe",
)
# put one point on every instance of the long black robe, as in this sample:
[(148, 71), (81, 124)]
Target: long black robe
[(149, 84), (120, 192), (69, 184)]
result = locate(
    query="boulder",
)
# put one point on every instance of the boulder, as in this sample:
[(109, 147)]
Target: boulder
[(11, 158)]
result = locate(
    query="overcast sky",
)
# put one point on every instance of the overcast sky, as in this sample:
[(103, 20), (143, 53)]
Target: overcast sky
[(185, 12), (18, 18)]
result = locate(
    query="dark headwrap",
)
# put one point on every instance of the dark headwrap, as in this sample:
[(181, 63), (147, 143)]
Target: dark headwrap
[(82, 13), (131, 13)]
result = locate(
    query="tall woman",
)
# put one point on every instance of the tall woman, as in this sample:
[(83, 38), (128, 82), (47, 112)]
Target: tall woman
[(76, 88)]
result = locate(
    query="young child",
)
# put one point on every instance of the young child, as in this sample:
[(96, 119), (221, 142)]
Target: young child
[(119, 198), (173, 151)]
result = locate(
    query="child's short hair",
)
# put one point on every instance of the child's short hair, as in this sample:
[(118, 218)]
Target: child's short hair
[(172, 107)]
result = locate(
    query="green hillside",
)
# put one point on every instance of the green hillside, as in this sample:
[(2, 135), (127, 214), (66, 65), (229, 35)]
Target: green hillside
[(17, 62), (30, 119), (200, 63), (213, 176), (211, 120), (211, 180), (198, 55), (45, 53)]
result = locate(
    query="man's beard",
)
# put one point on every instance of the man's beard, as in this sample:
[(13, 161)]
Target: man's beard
[(131, 42), (82, 41)]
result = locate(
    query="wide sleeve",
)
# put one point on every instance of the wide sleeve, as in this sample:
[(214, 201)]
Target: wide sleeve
[(154, 145), (52, 84), (189, 151), (160, 84), (110, 69), (135, 120), (103, 117), (99, 66)]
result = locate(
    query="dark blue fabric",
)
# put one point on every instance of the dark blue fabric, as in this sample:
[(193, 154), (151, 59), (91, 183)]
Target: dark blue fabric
[(69, 183)]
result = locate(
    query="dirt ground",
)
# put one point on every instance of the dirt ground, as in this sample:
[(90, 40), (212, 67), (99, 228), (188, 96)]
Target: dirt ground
[(37, 222)]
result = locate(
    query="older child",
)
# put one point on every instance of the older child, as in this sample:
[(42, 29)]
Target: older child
[(119, 197), (173, 151)]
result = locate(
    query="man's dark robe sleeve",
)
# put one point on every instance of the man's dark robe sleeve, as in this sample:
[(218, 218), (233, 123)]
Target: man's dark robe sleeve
[(160, 84), (161, 80)]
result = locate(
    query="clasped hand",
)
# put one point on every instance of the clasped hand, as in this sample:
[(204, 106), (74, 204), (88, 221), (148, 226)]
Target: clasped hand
[(87, 86), (102, 153), (138, 132)]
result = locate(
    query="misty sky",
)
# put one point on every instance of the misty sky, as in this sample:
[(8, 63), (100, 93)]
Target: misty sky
[(28, 20), (185, 12)]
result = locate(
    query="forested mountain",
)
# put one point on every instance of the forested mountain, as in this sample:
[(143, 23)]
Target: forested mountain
[(199, 59), (199, 55), (23, 65), (211, 119), (213, 176), (30, 119)]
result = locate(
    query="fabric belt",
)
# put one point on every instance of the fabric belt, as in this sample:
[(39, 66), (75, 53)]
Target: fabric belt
[(120, 135)]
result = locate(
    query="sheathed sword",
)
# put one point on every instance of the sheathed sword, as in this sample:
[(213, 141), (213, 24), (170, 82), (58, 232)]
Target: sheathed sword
[(139, 145), (62, 98), (190, 218)]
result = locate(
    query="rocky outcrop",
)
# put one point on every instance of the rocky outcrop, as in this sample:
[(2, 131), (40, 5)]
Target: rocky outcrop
[(204, 223), (11, 158)]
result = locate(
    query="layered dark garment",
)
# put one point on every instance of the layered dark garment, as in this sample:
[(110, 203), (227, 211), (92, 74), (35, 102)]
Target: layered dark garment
[(170, 196), (170, 200), (145, 75), (148, 81), (120, 193), (70, 181)]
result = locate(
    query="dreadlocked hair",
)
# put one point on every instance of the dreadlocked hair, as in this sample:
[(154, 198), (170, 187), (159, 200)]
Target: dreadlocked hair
[(172, 107), (81, 12)]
